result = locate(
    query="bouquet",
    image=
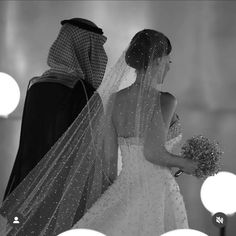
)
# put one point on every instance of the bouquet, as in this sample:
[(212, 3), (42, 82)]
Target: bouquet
[(207, 153)]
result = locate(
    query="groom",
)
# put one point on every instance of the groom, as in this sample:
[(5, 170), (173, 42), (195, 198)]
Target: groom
[(77, 62)]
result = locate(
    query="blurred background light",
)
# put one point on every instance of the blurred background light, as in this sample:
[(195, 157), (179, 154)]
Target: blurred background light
[(9, 94), (184, 232), (218, 193), (82, 232)]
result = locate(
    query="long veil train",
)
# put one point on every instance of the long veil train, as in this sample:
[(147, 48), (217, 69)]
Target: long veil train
[(46, 200)]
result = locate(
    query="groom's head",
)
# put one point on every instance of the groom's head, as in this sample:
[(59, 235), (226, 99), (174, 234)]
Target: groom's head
[(79, 50)]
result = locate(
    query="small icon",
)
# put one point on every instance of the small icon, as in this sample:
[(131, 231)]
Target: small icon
[(219, 219), (16, 220)]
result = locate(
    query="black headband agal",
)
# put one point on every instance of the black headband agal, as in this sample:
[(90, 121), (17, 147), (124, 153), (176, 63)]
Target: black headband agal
[(83, 25)]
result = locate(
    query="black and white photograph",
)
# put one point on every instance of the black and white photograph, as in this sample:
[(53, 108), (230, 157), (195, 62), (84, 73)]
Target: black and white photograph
[(118, 118)]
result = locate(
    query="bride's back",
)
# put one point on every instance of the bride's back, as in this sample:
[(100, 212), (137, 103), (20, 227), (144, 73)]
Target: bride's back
[(124, 112)]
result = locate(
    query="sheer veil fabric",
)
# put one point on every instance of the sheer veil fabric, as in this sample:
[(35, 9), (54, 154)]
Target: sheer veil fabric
[(47, 199)]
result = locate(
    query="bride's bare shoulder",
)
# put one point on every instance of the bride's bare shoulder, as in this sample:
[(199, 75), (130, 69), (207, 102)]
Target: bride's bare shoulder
[(168, 99), (123, 100), (122, 95)]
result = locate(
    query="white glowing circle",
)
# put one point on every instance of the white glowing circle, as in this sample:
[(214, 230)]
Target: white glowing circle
[(184, 232), (82, 232), (218, 193), (9, 94)]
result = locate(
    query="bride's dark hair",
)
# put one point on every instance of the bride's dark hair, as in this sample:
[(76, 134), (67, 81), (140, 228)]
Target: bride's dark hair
[(146, 44)]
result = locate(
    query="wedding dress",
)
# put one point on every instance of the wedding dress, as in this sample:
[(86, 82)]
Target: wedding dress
[(145, 199)]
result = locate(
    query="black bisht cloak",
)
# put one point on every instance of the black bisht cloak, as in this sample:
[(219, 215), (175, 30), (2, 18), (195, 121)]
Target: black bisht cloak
[(49, 109)]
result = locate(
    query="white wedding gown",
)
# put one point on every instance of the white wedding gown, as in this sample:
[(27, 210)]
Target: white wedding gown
[(145, 199)]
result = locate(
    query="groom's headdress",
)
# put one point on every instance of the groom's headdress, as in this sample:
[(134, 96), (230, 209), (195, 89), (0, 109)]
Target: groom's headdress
[(83, 24), (78, 53)]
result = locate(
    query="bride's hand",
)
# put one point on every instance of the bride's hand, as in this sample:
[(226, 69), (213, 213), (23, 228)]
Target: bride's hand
[(189, 166)]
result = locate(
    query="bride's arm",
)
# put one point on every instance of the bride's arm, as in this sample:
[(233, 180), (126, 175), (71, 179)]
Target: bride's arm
[(111, 151), (164, 158), (168, 159), (159, 155)]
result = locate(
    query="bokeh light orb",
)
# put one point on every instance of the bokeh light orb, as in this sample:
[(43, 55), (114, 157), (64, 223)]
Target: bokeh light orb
[(218, 193), (9, 94), (184, 232), (81, 232)]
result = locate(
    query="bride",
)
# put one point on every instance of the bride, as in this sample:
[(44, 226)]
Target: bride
[(144, 199)]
